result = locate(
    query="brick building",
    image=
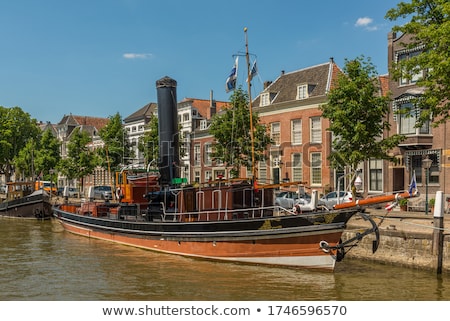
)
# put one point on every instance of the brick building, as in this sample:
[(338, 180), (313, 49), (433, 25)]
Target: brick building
[(426, 141)]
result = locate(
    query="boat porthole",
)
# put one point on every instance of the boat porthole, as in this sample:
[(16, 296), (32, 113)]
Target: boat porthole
[(324, 246), (179, 243)]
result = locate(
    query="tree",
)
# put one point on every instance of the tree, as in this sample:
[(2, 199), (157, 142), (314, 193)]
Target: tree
[(231, 131), (38, 157), (17, 128), (149, 143), (24, 161), (47, 156), (116, 150), (80, 160), (430, 28), (357, 113)]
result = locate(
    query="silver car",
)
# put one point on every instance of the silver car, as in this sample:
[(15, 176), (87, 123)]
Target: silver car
[(288, 199), (331, 199), (103, 192)]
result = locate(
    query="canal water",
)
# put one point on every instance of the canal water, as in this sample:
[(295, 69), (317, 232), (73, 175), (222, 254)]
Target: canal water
[(41, 262)]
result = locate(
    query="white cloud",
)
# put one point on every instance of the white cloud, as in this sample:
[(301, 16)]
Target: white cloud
[(366, 23), (363, 22), (137, 55)]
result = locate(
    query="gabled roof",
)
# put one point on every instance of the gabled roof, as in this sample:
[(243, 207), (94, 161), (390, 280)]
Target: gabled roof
[(75, 120), (319, 79), (203, 105), (142, 113)]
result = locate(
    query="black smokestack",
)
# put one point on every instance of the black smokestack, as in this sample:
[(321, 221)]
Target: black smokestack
[(168, 129)]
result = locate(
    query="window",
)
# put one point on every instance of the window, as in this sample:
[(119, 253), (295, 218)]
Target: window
[(208, 176), (203, 124), (197, 176), (407, 115), (376, 175), (265, 99), (316, 168), (262, 172), (219, 174), (316, 130), (407, 79), (414, 162), (302, 92), (186, 117), (208, 151), (275, 133), (197, 155), (297, 170), (296, 131)]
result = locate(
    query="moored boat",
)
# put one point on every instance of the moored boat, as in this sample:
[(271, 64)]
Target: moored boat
[(22, 201), (233, 220)]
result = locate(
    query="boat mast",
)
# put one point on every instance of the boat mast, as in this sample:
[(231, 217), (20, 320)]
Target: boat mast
[(249, 85)]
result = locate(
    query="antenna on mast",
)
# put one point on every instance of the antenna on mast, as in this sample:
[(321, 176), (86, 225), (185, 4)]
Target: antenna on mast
[(249, 85)]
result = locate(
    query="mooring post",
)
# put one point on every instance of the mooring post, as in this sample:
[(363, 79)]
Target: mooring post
[(438, 232)]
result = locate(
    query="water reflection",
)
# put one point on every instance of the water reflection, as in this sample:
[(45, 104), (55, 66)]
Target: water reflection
[(39, 261)]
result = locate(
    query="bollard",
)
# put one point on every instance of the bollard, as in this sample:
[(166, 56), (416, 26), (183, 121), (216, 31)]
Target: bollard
[(438, 232)]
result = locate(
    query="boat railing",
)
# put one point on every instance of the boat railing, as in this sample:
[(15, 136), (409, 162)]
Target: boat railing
[(224, 214)]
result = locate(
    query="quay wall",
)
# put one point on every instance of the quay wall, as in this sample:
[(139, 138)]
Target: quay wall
[(403, 242)]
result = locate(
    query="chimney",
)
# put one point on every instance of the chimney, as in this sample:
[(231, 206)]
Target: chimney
[(267, 84), (212, 106), (168, 129)]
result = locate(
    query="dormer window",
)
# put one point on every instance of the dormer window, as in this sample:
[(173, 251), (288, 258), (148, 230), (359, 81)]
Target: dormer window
[(203, 124), (302, 91), (265, 99)]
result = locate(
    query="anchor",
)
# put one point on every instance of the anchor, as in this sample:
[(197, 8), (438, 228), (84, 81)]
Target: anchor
[(338, 251)]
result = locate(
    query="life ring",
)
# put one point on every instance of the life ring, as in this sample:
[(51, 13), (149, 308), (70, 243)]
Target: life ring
[(325, 246), (297, 209)]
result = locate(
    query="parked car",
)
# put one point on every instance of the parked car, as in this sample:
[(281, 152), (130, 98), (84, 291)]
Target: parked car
[(331, 199), (288, 199), (103, 192), (72, 191)]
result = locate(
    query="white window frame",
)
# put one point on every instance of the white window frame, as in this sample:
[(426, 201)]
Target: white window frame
[(296, 132), (275, 133), (302, 91), (297, 167), (265, 99), (316, 168), (316, 130)]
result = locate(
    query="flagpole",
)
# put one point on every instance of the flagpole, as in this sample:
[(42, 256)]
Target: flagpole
[(247, 57)]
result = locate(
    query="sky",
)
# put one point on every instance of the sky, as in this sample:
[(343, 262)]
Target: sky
[(102, 57)]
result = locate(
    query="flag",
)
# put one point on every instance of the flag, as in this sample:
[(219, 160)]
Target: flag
[(413, 184), (231, 80), (253, 71)]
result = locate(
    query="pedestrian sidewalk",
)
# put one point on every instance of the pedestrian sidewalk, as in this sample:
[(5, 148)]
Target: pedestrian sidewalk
[(404, 221)]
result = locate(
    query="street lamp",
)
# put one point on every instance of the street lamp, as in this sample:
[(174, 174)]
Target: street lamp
[(426, 164)]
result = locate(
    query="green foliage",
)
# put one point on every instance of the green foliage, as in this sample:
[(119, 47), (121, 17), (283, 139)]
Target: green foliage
[(17, 128), (430, 26), (403, 202), (149, 143), (357, 113), (116, 150), (47, 156), (80, 160), (432, 202), (38, 157), (231, 131)]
